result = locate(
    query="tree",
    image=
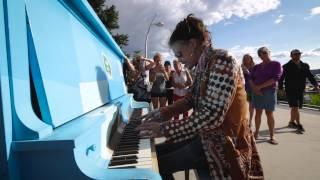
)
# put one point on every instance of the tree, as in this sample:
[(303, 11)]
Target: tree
[(109, 17)]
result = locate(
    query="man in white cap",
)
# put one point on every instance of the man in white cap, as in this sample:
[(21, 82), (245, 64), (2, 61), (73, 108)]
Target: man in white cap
[(294, 74)]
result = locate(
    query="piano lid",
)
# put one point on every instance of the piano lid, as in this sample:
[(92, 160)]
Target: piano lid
[(77, 69)]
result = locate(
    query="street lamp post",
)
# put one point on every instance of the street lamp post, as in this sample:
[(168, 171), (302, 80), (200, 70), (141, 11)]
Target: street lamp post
[(159, 24)]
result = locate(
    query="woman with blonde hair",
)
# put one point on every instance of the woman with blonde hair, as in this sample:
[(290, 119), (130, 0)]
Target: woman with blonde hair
[(158, 77), (247, 65)]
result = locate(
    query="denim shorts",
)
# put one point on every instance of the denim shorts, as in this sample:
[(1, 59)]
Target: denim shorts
[(267, 101)]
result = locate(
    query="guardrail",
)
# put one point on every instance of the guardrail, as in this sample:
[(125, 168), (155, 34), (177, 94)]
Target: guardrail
[(314, 107)]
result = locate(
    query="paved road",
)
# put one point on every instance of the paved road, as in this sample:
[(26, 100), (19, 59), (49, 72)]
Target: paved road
[(297, 157)]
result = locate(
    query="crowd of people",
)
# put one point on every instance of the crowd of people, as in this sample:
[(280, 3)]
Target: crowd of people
[(216, 139)]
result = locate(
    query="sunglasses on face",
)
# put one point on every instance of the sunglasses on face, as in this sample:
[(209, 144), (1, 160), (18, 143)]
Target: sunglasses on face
[(176, 48), (296, 54), (177, 54)]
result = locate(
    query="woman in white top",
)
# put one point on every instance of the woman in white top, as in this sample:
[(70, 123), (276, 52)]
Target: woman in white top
[(181, 80)]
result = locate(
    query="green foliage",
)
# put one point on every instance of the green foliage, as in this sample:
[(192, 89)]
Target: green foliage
[(315, 99), (109, 17)]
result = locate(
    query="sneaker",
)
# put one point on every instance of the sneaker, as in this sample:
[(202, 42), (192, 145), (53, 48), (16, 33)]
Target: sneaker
[(300, 128), (292, 124)]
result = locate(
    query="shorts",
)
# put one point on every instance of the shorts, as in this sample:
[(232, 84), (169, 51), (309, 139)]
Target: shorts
[(267, 101), (249, 95), (295, 99), (164, 94)]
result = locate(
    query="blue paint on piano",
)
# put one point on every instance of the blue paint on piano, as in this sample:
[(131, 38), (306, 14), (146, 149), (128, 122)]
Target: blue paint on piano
[(58, 54)]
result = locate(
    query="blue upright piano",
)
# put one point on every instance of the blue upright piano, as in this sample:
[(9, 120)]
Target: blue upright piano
[(64, 109)]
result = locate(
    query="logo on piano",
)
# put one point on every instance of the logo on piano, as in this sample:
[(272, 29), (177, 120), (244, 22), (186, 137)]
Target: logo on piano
[(107, 65)]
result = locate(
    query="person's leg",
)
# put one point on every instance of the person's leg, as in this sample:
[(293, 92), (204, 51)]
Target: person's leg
[(170, 96), (295, 116), (293, 103), (251, 111), (180, 156), (155, 102), (257, 122), (175, 99), (299, 125), (163, 101), (271, 122)]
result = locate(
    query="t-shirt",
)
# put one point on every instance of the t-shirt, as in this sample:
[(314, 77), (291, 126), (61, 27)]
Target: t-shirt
[(264, 72)]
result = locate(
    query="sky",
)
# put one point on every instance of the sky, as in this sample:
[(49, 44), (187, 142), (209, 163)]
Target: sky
[(240, 26)]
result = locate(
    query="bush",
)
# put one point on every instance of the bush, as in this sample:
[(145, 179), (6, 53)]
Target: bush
[(315, 99)]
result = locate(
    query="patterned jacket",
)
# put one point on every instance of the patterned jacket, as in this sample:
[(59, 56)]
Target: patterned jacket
[(220, 118)]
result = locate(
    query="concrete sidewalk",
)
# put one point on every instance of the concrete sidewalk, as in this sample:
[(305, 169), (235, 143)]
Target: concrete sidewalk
[(297, 156)]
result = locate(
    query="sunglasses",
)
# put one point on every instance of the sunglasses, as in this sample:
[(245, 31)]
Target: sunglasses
[(296, 53), (177, 54), (176, 48)]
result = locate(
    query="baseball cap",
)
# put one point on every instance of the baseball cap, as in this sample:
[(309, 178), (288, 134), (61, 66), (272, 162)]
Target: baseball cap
[(167, 63)]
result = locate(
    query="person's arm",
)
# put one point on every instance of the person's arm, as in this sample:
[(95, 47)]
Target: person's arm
[(189, 79), (129, 64), (277, 72), (280, 86), (311, 78), (149, 64), (218, 98), (182, 105)]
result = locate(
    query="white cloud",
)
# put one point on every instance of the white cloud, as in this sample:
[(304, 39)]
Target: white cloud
[(135, 16), (279, 19), (311, 53), (239, 51), (310, 56), (315, 11)]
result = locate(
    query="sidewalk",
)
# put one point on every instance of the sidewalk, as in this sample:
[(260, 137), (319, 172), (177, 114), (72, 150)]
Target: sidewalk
[(297, 156)]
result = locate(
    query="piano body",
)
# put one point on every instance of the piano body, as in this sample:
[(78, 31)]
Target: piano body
[(65, 112)]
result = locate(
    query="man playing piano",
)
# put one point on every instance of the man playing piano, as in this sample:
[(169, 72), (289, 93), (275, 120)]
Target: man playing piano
[(215, 139)]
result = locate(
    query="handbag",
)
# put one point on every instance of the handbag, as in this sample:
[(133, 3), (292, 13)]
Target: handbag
[(140, 90)]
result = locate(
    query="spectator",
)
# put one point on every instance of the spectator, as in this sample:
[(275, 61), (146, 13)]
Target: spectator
[(169, 88), (263, 82), (294, 74), (158, 78), (181, 82), (247, 65)]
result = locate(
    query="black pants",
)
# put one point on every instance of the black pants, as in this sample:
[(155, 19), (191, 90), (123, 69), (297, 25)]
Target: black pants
[(170, 96), (182, 156), (295, 98)]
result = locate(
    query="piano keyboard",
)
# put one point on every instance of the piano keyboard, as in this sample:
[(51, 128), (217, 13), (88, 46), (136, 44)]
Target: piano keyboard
[(133, 151)]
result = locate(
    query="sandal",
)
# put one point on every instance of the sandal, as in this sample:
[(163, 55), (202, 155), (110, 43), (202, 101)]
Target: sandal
[(256, 135), (273, 141)]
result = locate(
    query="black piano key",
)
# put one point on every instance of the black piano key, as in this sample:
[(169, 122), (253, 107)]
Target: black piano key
[(131, 157), (124, 143), (126, 167), (122, 162), (127, 147), (121, 153)]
